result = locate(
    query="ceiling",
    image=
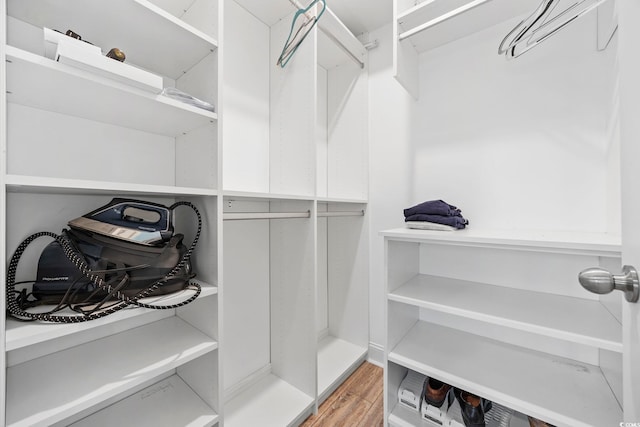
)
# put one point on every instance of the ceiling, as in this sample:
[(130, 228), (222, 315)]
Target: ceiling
[(359, 16)]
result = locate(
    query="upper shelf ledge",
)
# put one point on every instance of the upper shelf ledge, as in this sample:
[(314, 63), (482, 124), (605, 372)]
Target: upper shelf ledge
[(150, 37), (600, 244), (431, 23)]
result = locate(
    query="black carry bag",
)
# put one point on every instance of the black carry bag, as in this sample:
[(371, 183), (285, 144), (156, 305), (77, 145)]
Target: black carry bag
[(107, 260)]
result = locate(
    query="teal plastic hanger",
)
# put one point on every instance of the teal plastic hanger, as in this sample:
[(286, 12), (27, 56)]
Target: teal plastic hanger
[(295, 39)]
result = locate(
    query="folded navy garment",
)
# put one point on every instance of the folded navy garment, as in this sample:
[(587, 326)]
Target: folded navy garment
[(453, 221), (433, 207)]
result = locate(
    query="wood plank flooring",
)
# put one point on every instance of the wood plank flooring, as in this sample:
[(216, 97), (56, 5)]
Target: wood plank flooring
[(356, 403)]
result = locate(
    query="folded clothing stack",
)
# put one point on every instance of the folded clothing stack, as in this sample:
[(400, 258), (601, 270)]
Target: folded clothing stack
[(435, 215)]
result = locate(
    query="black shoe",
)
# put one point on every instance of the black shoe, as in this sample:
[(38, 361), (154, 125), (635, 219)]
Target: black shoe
[(472, 408), (436, 392)]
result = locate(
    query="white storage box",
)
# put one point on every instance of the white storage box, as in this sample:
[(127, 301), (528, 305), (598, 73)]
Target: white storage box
[(52, 38), (68, 53), (86, 56)]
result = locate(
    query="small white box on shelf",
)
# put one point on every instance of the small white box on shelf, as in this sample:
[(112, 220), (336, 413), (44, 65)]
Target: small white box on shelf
[(53, 38), (411, 390), (69, 53)]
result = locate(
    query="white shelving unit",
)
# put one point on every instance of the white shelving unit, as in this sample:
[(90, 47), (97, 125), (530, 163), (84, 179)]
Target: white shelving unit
[(307, 278), (75, 140), (534, 336), (99, 138)]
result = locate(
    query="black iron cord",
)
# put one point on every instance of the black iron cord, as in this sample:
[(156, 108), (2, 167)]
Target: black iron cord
[(14, 306)]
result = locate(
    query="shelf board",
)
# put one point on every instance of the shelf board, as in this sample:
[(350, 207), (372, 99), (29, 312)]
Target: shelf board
[(434, 23), (249, 195), (572, 319), (340, 200), (169, 402), (135, 356), (172, 48), (402, 416), (339, 45), (38, 184), (38, 82), (561, 391), (337, 359), (269, 402), (24, 334), (597, 244)]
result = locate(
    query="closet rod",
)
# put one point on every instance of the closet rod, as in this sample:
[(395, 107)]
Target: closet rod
[(264, 215), (452, 14), (347, 213), (346, 50)]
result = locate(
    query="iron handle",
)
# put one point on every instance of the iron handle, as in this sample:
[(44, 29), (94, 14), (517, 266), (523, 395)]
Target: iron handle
[(600, 281)]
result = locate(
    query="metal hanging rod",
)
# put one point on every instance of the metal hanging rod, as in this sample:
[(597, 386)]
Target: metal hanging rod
[(346, 213), (232, 216)]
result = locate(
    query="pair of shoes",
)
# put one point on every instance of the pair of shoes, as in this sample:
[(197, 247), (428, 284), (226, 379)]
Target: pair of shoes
[(473, 408), (534, 422), (436, 392)]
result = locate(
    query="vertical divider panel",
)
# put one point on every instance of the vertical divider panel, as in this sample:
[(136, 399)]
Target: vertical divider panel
[(293, 313), (293, 115), (405, 57)]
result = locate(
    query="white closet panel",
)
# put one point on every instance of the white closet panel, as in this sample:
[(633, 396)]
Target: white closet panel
[(246, 108)]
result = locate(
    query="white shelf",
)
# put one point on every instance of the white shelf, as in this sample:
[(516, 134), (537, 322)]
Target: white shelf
[(270, 402), (38, 184), (339, 200), (124, 24), (337, 359), (597, 244), (264, 196), (402, 416), (578, 320), (561, 391), (169, 402), (344, 46), (42, 83), (23, 334), (49, 389), (434, 23)]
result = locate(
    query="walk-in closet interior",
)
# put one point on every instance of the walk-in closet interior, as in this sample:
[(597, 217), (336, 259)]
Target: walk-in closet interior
[(299, 155)]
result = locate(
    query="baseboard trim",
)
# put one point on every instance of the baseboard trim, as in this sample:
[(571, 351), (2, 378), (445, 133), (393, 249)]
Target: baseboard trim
[(376, 354)]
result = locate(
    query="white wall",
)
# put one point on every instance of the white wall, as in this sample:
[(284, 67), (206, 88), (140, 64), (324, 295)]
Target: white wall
[(519, 143), (390, 171)]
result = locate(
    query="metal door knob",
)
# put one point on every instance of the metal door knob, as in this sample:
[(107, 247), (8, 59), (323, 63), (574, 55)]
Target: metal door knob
[(600, 281)]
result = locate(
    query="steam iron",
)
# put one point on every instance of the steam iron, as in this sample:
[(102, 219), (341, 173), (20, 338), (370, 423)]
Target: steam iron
[(130, 220)]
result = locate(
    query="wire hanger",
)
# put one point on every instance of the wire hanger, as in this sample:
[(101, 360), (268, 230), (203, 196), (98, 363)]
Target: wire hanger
[(539, 26), (295, 38)]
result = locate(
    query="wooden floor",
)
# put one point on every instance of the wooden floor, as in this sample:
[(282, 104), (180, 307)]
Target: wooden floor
[(356, 403)]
